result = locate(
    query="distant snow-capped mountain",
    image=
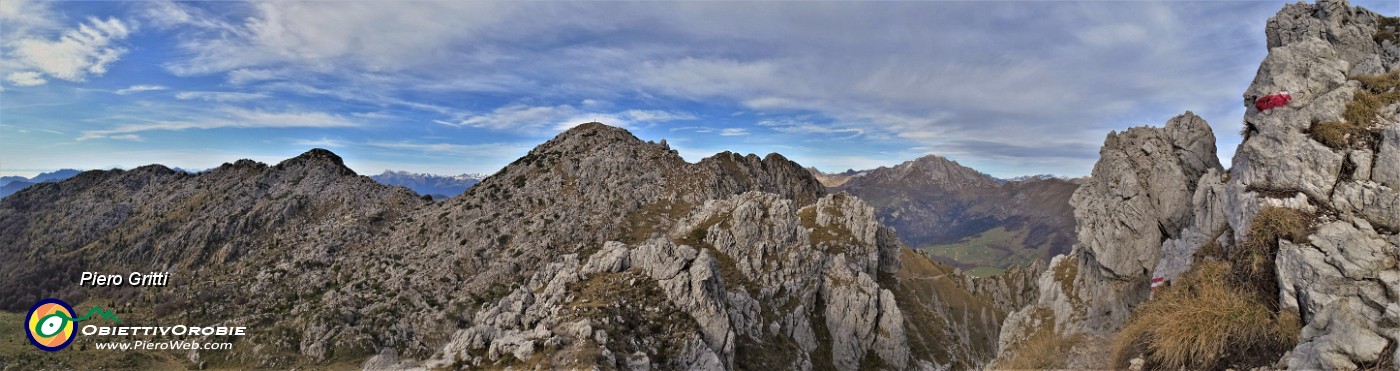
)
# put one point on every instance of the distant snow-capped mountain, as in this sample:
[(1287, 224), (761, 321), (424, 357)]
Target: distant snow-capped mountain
[(439, 186)]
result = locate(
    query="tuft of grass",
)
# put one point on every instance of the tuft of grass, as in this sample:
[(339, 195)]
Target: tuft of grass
[(1387, 29), (1254, 257), (1206, 321), (1043, 350), (1355, 130)]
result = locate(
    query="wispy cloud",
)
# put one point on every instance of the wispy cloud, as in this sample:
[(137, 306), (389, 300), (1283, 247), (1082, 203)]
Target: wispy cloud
[(803, 127), (356, 95), (454, 149), (232, 118), (734, 132), (22, 129), (321, 143), (526, 118), (219, 96), (139, 88)]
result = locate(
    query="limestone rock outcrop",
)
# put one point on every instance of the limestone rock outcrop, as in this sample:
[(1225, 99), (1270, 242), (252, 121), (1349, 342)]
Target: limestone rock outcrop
[(1140, 194), (739, 281), (1146, 215)]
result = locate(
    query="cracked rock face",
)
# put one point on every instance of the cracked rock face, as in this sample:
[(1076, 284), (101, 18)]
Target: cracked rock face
[(1140, 193)]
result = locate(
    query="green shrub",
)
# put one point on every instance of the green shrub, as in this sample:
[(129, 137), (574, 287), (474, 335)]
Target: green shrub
[(698, 235)]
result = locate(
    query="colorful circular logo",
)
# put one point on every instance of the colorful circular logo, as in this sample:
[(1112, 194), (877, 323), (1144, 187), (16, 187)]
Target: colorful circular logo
[(49, 325)]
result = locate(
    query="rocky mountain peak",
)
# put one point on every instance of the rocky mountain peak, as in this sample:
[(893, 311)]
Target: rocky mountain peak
[(941, 170), (931, 171), (589, 137), (317, 158)]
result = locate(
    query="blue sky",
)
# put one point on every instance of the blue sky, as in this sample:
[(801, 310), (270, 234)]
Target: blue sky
[(1009, 88)]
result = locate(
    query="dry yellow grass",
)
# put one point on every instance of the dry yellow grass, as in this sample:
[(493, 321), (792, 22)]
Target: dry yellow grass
[(1043, 350), (1356, 128), (1205, 321), (1253, 259)]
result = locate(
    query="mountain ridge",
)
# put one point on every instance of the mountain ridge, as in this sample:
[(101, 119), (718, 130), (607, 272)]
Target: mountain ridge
[(429, 282)]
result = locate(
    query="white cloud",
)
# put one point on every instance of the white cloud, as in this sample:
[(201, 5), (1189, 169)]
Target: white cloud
[(28, 78), (656, 115), (127, 137), (251, 75), (22, 17), (219, 96), (320, 143), (698, 78), (516, 116), (140, 88), (525, 118), (734, 132), (76, 54), (24, 129), (803, 127), (593, 103), (232, 118), (485, 149), (356, 95), (168, 14)]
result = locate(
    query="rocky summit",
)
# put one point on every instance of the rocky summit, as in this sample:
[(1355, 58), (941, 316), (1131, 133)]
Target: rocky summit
[(595, 250)]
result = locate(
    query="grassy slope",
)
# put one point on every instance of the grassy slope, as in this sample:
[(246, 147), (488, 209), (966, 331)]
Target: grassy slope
[(923, 287), (988, 253)]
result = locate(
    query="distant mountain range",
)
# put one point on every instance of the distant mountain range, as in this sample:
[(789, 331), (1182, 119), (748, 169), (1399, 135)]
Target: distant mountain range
[(964, 217), (438, 186), (11, 184)]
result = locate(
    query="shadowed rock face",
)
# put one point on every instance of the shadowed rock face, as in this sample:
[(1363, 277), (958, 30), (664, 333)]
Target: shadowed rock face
[(596, 249), (1155, 199)]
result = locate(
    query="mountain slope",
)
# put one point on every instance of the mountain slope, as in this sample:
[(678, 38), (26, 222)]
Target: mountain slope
[(967, 218)]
